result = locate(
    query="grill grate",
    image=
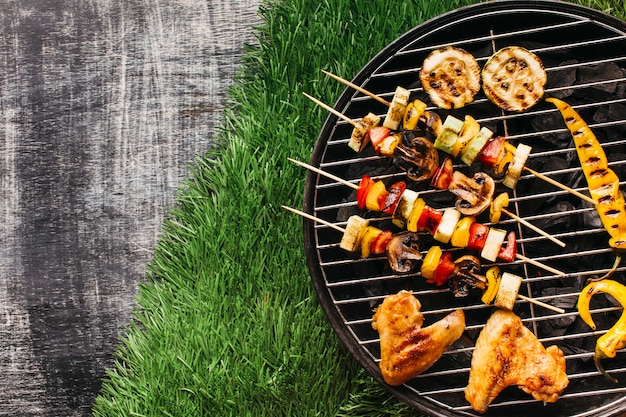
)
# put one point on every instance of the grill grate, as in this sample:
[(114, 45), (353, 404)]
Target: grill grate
[(572, 42)]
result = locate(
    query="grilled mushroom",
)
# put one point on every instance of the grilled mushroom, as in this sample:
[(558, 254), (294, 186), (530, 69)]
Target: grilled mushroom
[(403, 252), (466, 274), (417, 156), (474, 194), (432, 121)]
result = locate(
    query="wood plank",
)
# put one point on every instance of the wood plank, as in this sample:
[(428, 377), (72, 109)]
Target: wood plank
[(103, 104)]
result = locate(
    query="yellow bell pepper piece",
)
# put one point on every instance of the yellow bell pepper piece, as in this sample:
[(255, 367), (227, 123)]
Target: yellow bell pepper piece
[(430, 262), (494, 277), (416, 212), (468, 132), (366, 243), (498, 203), (414, 110), (509, 153), (373, 196), (613, 340), (460, 236)]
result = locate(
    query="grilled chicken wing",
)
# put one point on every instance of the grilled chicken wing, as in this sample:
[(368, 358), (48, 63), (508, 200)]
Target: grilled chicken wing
[(507, 353), (408, 349)]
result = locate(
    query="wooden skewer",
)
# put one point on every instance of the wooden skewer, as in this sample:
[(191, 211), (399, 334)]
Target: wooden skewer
[(561, 186), (533, 227), (315, 219), (540, 265), (324, 173), (342, 230), (356, 187), (535, 173), (540, 303), (330, 109), (357, 88)]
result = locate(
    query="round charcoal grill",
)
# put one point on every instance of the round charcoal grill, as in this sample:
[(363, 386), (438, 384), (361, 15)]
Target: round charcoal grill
[(583, 51)]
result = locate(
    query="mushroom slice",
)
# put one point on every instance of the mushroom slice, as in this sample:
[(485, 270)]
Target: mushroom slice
[(403, 252), (474, 194), (416, 156), (466, 274)]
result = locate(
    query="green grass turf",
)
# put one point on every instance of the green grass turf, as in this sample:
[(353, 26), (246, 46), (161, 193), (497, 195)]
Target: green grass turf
[(227, 322)]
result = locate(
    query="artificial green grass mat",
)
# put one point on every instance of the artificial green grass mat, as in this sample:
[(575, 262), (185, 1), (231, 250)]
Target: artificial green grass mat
[(227, 322)]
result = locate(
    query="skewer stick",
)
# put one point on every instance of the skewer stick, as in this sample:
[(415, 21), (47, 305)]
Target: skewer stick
[(349, 184), (535, 173), (324, 173), (533, 227), (357, 88), (539, 264), (330, 109), (540, 303), (356, 187), (561, 186), (342, 230), (315, 219)]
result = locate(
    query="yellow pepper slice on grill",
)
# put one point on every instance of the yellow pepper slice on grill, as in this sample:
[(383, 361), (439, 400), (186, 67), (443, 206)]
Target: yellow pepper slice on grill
[(494, 277), (603, 183), (613, 340), (430, 262), (461, 235)]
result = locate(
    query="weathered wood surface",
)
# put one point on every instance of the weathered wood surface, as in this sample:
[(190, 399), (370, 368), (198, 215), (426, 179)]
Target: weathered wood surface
[(103, 104)]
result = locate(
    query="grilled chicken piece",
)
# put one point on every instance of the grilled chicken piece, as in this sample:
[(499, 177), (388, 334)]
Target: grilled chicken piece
[(507, 353), (408, 349)]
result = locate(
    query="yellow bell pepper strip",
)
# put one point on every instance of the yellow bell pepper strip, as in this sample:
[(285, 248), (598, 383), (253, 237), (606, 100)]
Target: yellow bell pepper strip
[(375, 194), (430, 262), (603, 183), (414, 110), (609, 343), (461, 234), (498, 203), (416, 214), (469, 131), (493, 277)]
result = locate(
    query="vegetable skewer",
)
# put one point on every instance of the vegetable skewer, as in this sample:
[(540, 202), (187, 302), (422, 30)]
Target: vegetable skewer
[(523, 167), (439, 220), (473, 194), (499, 289), (493, 219)]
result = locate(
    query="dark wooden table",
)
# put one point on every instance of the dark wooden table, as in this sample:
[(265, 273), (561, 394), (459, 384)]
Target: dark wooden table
[(103, 106)]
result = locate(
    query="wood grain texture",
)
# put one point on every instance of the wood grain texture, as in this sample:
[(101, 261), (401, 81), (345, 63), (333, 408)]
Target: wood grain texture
[(103, 103)]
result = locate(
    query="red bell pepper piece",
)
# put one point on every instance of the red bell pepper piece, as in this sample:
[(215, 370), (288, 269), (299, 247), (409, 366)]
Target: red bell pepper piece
[(429, 220), (444, 269), (377, 134), (379, 245), (443, 175), (364, 187), (509, 250), (492, 152), (393, 197), (478, 236)]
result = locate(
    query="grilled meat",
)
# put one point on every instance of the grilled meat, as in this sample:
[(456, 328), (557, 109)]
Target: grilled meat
[(408, 349), (507, 353)]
